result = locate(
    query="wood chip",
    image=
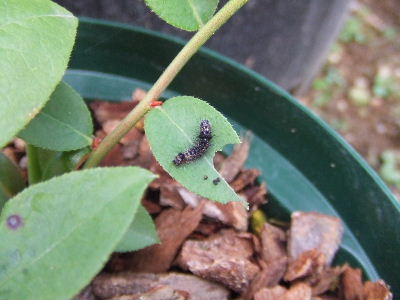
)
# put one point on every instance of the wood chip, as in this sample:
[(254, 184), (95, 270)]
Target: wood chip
[(169, 194), (106, 111), (274, 260), (273, 242), (245, 178), (208, 227), (85, 294), (377, 291), (145, 158), (351, 284), (325, 280), (173, 227), (19, 145), (269, 276), (309, 262), (109, 126), (134, 135), (10, 152), (113, 158), (130, 151), (224, 257), (236, 214), (300, 291), (151, 206), (157, 293), (195, 286), (234, 163), (116, 285), (311, 230), (255, 195), (232, 214), (275, 293), (138, 95), (107, 285)]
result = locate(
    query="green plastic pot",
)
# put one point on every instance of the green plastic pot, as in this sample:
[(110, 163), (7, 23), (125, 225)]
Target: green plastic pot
[(305, 163)]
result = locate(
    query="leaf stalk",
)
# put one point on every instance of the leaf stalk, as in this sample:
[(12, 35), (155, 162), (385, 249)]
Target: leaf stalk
[(34, 172)]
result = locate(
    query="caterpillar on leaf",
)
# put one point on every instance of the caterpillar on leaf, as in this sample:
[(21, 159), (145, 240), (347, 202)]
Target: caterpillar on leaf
[(198, 150)]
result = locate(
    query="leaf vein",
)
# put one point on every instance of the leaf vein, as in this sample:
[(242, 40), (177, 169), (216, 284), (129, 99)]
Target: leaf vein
[(88, 138), (195, 13)]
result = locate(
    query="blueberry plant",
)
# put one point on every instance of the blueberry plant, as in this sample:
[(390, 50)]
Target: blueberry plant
[(57, 230)]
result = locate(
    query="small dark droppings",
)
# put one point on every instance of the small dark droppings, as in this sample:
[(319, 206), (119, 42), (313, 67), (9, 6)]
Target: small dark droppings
[(205, 177), (14, 222), (216, 180)]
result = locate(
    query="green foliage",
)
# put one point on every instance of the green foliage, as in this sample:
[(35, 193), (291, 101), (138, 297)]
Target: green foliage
[(353, 31), (360, 93), (390, 170), (35, 43), (185, 14), (64, 124), (327, 86), (341, 125), (174, 127), (385, 83), (391, 33), (56, 235), (54, 163), (11, 181), (141, 233)]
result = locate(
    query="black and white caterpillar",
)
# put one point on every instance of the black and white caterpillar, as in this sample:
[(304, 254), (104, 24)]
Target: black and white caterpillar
[(198, 150)]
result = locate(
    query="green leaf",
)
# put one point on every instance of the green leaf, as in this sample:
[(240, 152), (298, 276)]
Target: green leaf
[(56, 235), (174, 127), (54, 163), (185, 14), (11, 180), (141, 233), (64, 124), (36, 39)]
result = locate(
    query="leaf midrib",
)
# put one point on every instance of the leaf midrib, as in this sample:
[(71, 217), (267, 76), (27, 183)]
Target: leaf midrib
[(86, 137), (195, 13)]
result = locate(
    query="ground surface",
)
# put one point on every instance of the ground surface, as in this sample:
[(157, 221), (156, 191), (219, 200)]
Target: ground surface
[(358, 90)]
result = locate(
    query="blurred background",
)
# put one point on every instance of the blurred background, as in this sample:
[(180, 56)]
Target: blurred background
[(341, 58)]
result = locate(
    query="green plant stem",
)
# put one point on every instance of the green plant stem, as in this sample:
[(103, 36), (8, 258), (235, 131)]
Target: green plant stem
[(164, 80), (33, 164)]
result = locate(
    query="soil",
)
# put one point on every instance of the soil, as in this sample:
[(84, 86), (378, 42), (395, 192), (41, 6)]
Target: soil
[(358, 91)]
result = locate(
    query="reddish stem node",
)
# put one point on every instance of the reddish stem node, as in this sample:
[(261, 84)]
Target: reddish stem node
[(156, 103), (96, 142)]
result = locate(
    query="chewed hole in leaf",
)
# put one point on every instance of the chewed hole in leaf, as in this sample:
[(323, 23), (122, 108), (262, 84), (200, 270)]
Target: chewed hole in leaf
[(175, 128)]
